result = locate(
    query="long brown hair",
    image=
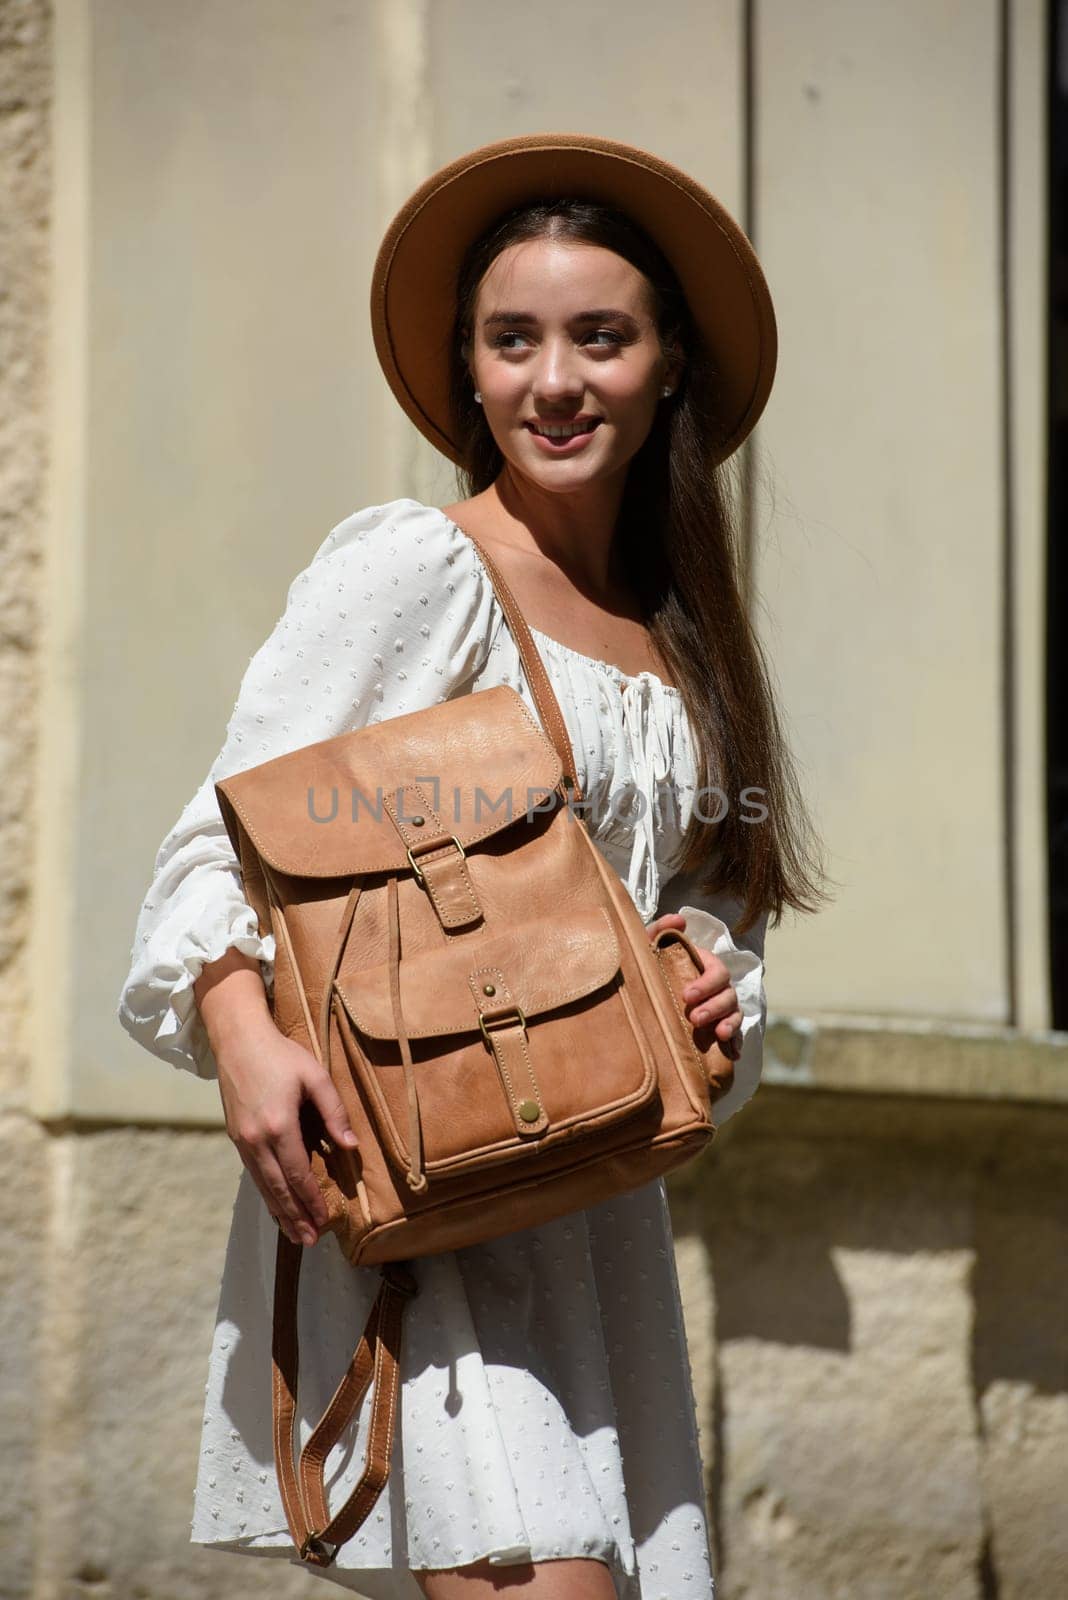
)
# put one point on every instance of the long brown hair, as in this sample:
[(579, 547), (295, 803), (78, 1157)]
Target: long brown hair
[(679, 548)]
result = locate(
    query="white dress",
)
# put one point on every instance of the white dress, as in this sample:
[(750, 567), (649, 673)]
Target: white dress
[(547, 1408)]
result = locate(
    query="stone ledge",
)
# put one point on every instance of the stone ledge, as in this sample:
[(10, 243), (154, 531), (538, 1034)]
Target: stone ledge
[(943, 1059), (832, 1052)]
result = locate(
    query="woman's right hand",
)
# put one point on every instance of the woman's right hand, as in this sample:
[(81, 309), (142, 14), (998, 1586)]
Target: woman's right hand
[(264, 1078)]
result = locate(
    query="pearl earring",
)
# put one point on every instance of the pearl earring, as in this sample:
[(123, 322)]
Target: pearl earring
[(665, 391), (478, 396)]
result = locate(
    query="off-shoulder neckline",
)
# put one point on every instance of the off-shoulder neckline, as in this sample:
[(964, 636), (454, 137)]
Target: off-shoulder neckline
[(608, 667)]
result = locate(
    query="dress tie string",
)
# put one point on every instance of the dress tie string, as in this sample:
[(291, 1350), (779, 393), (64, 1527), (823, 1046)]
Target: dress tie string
[(646, 718)]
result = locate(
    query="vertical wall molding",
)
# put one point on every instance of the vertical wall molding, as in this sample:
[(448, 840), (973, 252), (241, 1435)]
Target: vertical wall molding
[(880, 592), (749, 454), (405, 158), (60, 721), (1025, 80), (1010, 758)]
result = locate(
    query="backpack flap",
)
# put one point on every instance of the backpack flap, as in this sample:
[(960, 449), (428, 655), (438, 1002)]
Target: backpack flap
[(519, 1038), (480, 762)]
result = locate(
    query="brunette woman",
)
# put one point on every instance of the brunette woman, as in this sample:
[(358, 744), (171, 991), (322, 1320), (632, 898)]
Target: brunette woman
[(584, 331)]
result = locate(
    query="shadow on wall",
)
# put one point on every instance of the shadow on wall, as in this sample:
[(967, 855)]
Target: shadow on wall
[(874, 1175), (889, 1307)]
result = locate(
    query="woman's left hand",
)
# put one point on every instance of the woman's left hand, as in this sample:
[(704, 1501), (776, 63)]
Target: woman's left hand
[(710, 998)]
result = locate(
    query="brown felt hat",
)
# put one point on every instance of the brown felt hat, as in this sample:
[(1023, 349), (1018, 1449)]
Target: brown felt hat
[(413, 285)]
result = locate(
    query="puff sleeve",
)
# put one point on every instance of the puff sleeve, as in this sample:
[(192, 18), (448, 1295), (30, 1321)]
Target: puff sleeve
[(393, 614), (710, 925)]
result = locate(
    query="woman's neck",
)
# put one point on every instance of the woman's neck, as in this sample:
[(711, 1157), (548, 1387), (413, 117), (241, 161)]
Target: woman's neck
[(575, 532)]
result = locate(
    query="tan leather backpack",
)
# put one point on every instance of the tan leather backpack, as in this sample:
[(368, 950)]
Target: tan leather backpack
[(508, 1043)]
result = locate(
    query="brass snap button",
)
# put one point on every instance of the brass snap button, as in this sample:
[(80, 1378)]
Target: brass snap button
[(529, 1110)]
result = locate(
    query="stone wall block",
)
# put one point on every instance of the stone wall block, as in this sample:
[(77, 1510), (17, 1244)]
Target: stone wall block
[(25, 1160), (25, 204), (149, 1212)]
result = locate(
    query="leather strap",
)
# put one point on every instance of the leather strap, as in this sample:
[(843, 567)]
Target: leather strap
[(544, 696), (441, 863), (509, 1046), (317, 1536), (415, 1176), (376, 1359)]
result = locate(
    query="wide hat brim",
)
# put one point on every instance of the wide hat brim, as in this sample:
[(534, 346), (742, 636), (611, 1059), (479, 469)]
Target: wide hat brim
[(414, 281)]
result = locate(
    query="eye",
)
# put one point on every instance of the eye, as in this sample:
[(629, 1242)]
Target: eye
[(511, 333)]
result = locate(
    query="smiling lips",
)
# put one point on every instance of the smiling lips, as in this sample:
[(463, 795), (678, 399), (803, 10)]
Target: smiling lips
[(563, 430)]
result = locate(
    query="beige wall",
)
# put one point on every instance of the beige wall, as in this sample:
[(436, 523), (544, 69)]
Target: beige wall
[(222, 188), (871, 1255), (878, 218), (214, 160)]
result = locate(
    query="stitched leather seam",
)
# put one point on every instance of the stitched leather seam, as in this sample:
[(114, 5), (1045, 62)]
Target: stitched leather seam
[(493, 827), (526, 1127), (400, 824), (281, 929), (421, 792), (698, 1057), (645, 1051), (535, 1091), (503, 1066), (368, 1489), (496, 971), (393, 1377), (498, 1055), (698, 1130), (531, 663), (559, 996), (475, 907)]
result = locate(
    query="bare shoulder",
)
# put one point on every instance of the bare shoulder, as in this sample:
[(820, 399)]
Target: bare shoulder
[(550, 603), (470, 516), (480, 522)]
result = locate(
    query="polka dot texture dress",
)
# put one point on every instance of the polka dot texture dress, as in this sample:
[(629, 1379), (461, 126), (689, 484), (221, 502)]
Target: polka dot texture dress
[(547, 1409)]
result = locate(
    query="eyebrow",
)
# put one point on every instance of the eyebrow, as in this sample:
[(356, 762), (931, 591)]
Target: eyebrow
[(604, 315)]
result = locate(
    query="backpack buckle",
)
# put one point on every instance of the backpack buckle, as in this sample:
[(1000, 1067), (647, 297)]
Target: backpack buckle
[(320, 1552), (420, 880), (509, 1016)]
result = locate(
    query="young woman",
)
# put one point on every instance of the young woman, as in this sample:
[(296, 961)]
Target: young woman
[(588, 336)]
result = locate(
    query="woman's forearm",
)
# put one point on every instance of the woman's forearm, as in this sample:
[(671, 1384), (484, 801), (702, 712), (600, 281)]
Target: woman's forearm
[(263, 1079), (232, 1000)]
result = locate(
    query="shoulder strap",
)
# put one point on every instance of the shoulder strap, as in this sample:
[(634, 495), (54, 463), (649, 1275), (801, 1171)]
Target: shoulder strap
[(317, 1535), (544, 697)]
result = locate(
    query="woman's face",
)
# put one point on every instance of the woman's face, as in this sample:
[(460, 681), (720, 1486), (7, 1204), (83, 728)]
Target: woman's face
[(564, 333)]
